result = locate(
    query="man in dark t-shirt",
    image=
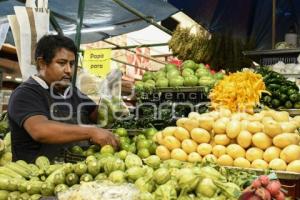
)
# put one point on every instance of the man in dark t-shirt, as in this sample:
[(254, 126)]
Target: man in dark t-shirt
[(44, 111)]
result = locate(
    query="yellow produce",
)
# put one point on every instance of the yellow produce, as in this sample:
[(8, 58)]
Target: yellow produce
[(266, 119), (189, 146), (244, 139), (163, 153), (221, 139), (236, 116), (225, 160), (190, 124), (294, 166), (223, 112), (181, 133), (158, 137), (233, 128), (219, 150), (272, 128), (194, 115), (235, 151), (214, 114), (219, 126), (238, 91), (259, 164), (169, 131), (256, 117), (290, 153), (171, 142), (181, 121), (297, 119), (254, 153), (194, 157), (288, 127), (254, 127), (200, 135), (179, 154), (271, 153), (206, 122), (244, 124), (241, 162), (285, 139), (204, 149), (277, 164), (261, 140), (281, 116), (210, 158)]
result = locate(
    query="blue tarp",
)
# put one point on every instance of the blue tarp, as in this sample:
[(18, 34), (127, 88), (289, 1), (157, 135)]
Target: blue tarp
[(99, 14), (244, 18)]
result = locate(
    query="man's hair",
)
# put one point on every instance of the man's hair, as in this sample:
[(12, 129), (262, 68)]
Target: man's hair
[(48, 45)]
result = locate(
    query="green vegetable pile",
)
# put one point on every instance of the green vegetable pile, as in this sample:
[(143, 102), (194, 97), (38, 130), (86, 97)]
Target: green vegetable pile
[(283, 93), (191, 74)]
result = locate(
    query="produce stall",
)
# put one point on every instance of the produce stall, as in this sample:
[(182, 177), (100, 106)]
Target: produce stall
[(193, 134)]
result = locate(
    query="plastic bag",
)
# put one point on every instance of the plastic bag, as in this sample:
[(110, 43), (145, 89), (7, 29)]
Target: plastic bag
[(111, 106)]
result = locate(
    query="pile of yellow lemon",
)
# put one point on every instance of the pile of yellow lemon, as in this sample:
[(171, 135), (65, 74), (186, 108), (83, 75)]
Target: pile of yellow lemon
[(268, 139)]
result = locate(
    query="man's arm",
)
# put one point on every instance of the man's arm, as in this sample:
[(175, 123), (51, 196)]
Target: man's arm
[(47, 131)]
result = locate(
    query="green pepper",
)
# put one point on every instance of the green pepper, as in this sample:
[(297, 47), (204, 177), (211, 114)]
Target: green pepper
[(283, 98)]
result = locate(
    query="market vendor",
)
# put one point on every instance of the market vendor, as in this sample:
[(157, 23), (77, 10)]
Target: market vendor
[(45, 113)]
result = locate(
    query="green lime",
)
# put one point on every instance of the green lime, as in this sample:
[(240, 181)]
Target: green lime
[(149, 132), (77, 150), (143, 153), (123, 154), (143, 144), (152, 148), (132, 148), (121, 132), (140, 137), (125, 146), (125, 140), (107, 149)]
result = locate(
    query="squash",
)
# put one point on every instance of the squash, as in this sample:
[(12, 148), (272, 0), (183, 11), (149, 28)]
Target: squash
[(285, 139), (233, 128), (288, 127), (290, 153), (272, 128)]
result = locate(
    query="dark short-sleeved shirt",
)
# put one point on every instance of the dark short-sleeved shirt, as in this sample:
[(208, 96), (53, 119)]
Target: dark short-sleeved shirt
[(33, 98)]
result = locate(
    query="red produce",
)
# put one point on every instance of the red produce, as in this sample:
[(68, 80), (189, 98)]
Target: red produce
[(264, 179), (263, 193), (256, 183), (247, 193), (280, 196), (274, 187)]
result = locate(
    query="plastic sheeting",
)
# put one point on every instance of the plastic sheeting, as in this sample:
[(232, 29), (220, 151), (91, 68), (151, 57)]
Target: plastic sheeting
[(104, 14), (244, 18)]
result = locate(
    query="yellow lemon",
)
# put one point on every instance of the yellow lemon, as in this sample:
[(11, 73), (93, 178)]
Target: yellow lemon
[(190, 124), (189, 146), (241, 162), (254, 153), (163, 153), (181, 133), (169, 131), (200, 135), (259, 164), (225, 160), (219, 150), (235, 151), (204, 149), (277, 164), (178, 154), (261, 140), (271, 153), (180, 122), (194, 157), (233, 128), (244, 139), (221, 139), (171, 142)]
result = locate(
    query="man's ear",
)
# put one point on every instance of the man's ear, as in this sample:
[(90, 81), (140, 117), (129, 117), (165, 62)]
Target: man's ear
[(40, 63)]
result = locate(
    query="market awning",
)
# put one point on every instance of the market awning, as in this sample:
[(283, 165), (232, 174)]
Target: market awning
[(103, 16)]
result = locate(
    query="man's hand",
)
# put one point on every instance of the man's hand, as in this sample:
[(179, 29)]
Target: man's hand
[(104, 137)]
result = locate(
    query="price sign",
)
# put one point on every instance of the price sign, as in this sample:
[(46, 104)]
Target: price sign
[(97, 61)]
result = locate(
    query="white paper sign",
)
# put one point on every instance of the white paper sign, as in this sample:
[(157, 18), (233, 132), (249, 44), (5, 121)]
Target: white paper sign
[(4, 26)]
